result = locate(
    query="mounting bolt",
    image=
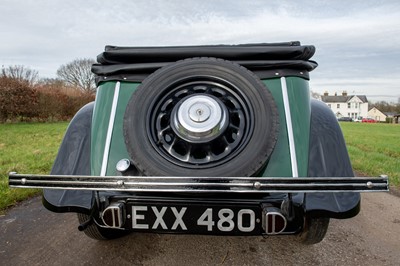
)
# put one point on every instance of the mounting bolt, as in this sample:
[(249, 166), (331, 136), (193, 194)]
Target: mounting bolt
[(369, 184), (23, 181), (257, 185)]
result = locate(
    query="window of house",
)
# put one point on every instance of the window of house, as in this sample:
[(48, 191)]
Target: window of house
[(338, 105), (356, 105), (349, 105)]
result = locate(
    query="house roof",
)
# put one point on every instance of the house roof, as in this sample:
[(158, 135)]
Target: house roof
[(342, 99), (390, 113)]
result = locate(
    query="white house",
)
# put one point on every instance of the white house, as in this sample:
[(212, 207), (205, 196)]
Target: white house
[(377, 115), (344, 105)]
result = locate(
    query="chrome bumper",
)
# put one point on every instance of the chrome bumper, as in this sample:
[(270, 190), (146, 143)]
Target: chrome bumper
[(201, 184)]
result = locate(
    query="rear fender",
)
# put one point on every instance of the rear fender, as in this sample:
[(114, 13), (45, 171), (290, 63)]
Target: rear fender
[(328, 157), (73, 159)]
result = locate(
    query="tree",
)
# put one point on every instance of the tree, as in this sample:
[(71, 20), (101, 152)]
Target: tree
[(78, 74), (315, 95), (20, 73), (51, 82), (385, 107)]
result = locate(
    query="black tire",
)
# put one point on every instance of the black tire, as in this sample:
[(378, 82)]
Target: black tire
[(314, 230), (241, 145), (98, 233)]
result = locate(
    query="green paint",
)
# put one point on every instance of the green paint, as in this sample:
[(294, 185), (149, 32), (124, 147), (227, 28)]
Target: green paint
[(279, 164), (299, 100), (100, 121), (300, 110), (118, 149)]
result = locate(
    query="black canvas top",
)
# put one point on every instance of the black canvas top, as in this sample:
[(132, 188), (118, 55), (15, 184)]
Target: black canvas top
[(264, 59)]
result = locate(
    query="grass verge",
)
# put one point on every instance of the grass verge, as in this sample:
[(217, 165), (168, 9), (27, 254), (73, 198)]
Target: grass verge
[(26, 148), (374, 149)]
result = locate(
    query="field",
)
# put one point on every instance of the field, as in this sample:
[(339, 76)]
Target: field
[(26, 148), (374, 149), (31, 148)]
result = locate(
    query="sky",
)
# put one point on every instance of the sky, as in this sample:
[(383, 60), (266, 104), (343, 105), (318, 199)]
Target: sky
[(357, 42)]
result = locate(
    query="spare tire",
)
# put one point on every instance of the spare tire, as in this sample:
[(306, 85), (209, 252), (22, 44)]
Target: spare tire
[(201, 117)]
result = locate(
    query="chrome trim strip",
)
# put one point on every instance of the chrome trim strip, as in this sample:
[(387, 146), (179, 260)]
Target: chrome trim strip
[(201, 184), (110, 130), (292, 148)]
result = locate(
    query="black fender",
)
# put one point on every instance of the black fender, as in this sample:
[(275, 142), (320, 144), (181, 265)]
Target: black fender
[(328, 157), (73, 158)]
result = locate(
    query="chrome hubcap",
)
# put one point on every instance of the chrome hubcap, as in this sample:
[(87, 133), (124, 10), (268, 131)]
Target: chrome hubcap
[(199, 118)]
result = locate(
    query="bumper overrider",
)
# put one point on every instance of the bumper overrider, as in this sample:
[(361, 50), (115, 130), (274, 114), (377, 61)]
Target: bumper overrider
[(209, 205)]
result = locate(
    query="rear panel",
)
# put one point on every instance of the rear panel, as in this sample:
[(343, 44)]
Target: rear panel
[(108, 146)]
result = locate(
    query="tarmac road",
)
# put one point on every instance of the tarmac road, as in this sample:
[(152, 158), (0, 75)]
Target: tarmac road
[(31, 235)]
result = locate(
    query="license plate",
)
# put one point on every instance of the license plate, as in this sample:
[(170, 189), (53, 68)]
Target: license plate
[(195, 218)]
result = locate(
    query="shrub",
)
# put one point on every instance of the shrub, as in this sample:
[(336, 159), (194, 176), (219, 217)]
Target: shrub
[(20, 101), (17, 100)]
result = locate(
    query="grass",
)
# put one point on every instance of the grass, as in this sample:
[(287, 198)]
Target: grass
[(374, 149), (26, 148)]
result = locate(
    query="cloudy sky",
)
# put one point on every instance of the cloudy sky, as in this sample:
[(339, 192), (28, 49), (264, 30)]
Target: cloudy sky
[(358, 41)]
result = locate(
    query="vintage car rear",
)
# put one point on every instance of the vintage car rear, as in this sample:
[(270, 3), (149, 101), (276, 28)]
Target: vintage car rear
[(219, 139)]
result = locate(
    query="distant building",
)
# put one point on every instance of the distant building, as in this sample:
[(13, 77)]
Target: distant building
[(389, 114), (344, 105), (396, 119), (377, 115)]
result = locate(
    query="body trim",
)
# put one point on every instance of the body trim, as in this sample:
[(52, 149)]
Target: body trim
[(110, 130), (292, 148)]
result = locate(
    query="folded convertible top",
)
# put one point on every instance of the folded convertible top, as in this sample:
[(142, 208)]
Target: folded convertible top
[(264, 59)]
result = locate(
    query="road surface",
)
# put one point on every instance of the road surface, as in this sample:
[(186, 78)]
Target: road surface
[(31, 235)]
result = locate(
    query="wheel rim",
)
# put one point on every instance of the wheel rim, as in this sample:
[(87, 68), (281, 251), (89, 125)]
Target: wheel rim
[(200, 122)]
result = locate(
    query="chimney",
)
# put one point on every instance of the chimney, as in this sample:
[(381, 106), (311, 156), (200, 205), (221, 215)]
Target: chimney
[(344, 93), (326, 94)]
